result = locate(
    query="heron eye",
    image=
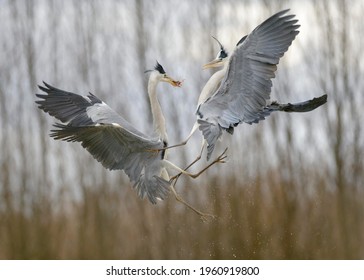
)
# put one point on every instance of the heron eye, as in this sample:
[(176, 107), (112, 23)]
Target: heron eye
[(165, 76)]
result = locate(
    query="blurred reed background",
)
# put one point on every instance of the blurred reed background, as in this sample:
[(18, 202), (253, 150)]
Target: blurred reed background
[(293, 186)]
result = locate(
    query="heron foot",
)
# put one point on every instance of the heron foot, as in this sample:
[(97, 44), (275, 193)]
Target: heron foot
[(220, 159)]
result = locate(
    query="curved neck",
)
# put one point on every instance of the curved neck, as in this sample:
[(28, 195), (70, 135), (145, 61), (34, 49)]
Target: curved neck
[(212, 85), (159, 124)]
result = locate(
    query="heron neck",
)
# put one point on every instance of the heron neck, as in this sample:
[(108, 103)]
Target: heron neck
[(212, 85), (159, 125)]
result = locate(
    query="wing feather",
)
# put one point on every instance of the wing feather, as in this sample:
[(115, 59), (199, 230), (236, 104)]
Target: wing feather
[(246, 86), (108, 137)]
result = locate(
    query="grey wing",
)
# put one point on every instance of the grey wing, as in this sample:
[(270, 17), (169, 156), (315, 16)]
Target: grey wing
[(301, 107), (108, 137), (246, 87), (78, 110), (247, 83)]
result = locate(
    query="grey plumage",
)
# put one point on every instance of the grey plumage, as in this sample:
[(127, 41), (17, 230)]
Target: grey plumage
[(244, 92), (301, 107), (109, 138)]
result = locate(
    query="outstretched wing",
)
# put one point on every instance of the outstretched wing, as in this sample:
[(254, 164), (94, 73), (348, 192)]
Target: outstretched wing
[(300, 107), (247, 84), (110, 139)]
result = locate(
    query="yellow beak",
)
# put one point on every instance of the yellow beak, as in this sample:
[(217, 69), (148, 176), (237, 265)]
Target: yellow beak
[(171, 81), (213, 64)]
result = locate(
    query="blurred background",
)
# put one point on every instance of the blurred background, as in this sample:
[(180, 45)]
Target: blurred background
[(293, 187)]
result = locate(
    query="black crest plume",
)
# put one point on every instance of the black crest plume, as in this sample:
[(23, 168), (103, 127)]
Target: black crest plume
[(159, 68), (223, 53)]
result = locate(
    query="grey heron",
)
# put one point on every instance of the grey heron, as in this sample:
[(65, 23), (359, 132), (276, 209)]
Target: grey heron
[(240, 92), (112, 140)]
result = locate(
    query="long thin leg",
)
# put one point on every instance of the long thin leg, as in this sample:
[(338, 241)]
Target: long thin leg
[(220, 159), (194, 128), (204, 216), (199, 155), (193, 162)]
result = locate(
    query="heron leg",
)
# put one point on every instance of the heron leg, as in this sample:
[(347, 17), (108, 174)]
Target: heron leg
[(193, 162), (204, 216), (194, 128), (199, 155), (220, 159)]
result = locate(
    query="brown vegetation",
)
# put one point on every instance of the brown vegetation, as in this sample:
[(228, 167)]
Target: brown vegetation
[(293, 186)]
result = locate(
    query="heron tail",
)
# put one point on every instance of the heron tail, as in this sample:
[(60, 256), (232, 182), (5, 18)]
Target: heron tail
[(154, 188), (211, 132)]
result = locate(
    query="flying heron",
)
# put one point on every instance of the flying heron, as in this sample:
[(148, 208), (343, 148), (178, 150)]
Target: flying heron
[(240, 92), (113, 141)]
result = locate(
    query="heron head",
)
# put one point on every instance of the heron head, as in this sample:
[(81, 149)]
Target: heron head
[(220, 59), (160, 74)]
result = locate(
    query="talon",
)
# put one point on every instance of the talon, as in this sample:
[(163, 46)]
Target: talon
[(205, 217)]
